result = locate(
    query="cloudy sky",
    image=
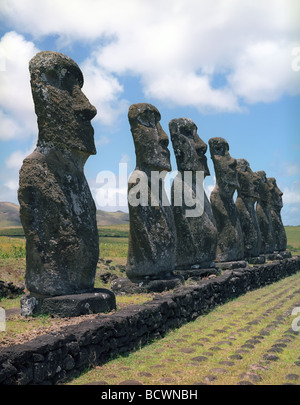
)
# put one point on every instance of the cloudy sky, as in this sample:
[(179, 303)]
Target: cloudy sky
[(232, 66)]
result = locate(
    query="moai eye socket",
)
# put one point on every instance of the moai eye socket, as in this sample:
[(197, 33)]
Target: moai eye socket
[(147, 119)]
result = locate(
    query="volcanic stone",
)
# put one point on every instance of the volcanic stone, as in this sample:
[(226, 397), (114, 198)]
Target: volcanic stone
[(196, 231), (152, 234), (246, 199), (230, 236), (263, 210), (280, 238), (57, 210)]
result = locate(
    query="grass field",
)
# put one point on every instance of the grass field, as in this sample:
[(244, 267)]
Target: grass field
[(229, 345), (171, 360)]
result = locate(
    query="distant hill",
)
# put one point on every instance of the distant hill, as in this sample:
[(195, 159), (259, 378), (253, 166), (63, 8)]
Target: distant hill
[(112, 218), (9, 216)]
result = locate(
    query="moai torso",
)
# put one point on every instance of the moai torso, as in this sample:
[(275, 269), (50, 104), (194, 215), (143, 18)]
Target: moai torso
[(57, 210), (230, 236), (263, 210), (196, 235), (152, 237), (279, 233), (245, 203)]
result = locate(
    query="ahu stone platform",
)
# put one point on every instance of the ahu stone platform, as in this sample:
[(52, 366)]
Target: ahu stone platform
[(55, 358), (100, 300)]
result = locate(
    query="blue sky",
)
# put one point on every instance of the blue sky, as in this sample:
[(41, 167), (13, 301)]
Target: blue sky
[(233, 67)]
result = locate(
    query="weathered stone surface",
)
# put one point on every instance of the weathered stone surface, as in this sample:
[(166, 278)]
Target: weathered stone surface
[(247, 197), (230, 236), (152, 235), (77, 347), (280, 239), (125, 285), (263, 210), (100, 300), (57, 210), (196, 235)]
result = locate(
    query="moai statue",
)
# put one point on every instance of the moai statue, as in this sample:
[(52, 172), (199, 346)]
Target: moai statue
[(230, 235), (263, 210), (279, 233), (152, 235), (57, 210), (197, 233), (245, 203)]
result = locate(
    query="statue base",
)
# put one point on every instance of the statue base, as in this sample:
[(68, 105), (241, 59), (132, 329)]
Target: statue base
[(238, 264), (126, 286), (65, 306), (197, 274), (285, 254), (257, 259)]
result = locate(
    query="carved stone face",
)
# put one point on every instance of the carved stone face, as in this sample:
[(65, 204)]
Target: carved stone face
[(248, 180), (64, 113), (276, 193), (225, 166), (189, 149), (150, 140), (264, 188)]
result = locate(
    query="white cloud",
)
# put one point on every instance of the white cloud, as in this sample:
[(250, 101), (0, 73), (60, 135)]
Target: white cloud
[(263, 72), (175, 47), (17, 115), (291, 195), (103, 91)]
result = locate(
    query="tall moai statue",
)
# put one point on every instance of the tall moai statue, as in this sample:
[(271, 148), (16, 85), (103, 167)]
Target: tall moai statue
[(230, 235), (57, 210), (245, 203), (152, 235), (280, 239), (263, 210), (197, 233)]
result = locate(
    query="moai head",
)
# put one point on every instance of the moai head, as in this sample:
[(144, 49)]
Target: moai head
[(264, 188), (276, 193), (64, 113), (189, 149), (248, 180), (225, 166), (150, 140)]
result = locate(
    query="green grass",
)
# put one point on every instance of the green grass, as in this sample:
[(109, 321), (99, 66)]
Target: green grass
[(117, 231), (170, 360), (293, 239), (112, 247)]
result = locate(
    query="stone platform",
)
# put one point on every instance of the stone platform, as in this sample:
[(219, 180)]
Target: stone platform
[(127, 286), (197, 274), (99, 301)]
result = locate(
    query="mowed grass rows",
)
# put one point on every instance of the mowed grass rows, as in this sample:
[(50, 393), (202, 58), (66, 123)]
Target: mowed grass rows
[(249, 340), (210, 350)]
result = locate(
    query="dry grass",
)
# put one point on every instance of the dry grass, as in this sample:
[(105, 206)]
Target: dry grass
[(262, 316)]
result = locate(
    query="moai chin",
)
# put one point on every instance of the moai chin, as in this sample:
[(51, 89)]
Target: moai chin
[(279, 233), (247, 197), (152, 236), (230, 236), (263, 210), (196, 235), (57, 210)]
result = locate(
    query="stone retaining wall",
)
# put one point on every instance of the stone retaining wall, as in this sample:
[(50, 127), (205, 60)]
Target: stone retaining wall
[(57, 357), (9, 290)]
